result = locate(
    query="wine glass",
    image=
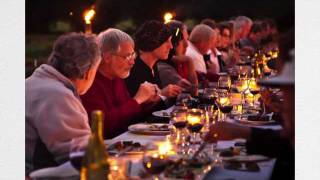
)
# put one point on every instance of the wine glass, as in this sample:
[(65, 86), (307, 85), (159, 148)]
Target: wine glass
[(179, 121), (154, 163), (209, 96), (195, 118), (254, 89), (224, 82), (210, 113), (77, 150), (224, 104)]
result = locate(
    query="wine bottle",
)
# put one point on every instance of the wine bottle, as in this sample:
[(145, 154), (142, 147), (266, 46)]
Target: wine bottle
[(95, 164)]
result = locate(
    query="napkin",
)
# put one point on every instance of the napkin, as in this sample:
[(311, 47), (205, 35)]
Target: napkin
[(63, 171)]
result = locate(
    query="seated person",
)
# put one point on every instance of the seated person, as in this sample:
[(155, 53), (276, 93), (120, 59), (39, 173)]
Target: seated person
[(178, 68), (54, 113), (199, 45), (252, 42), (273, 143), (109, 92), (206, 62), (226, 46), (153, 41)]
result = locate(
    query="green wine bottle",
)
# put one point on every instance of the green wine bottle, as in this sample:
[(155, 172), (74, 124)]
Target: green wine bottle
[(95, 164)]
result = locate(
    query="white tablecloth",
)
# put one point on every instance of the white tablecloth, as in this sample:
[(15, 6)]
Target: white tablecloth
[(66, 170)]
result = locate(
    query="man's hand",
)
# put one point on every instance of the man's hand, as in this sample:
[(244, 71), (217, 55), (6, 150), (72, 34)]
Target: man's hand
[(226, 131), (146, 92)]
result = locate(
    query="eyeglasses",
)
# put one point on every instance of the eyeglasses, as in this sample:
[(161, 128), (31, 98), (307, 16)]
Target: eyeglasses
[(133, 55)]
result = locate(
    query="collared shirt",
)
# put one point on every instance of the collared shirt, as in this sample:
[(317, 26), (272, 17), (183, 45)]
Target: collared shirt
[(197, 58)]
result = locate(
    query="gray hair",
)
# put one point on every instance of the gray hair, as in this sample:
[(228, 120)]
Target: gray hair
[(201, 33), (110, 40), (74, 54), (242, 21)]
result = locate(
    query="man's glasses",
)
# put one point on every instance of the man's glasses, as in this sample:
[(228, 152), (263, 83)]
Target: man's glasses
[(133, 55)]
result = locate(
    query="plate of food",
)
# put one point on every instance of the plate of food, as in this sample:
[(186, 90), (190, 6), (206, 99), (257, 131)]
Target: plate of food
[(164, 113), (150, 128), (128, 147), (186, 168), (256, 119), (235, 154)]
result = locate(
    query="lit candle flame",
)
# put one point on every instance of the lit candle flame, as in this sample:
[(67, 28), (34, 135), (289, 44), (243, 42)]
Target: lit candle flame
[(165, 148), (167, 17), (223, 100), (88, 15), (193, 120)]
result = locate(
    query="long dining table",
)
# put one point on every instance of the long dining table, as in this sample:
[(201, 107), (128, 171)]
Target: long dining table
[(66, 170)]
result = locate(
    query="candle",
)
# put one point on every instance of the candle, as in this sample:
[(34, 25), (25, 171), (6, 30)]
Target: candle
[(165, 148)]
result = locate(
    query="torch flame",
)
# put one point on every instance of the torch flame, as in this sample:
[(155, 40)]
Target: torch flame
[(167, 17), (88, 15)]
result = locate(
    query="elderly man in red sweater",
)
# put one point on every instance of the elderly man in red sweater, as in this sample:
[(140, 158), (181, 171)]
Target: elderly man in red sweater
[(109, 92)]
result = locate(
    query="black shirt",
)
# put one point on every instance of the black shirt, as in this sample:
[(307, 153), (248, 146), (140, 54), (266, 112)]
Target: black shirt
[(269, 143), (140, 73)]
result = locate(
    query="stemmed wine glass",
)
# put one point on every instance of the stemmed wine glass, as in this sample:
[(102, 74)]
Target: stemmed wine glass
[(254, 89), (195, 122), (179, 121), (224, 104)]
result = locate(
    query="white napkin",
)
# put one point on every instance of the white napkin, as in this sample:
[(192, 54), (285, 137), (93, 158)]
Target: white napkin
[(64, 170)]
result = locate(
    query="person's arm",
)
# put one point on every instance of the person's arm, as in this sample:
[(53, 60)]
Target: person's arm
[(267, 142), (227, 131), (168, 74)]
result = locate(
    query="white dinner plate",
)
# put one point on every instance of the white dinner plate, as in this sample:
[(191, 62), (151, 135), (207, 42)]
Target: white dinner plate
[(150, 129), (164, 113)]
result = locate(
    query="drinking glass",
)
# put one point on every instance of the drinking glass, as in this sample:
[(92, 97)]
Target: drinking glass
[(179, 121), (224, 82), (196, 119), (254, 89), (118, 168), (224, 104)]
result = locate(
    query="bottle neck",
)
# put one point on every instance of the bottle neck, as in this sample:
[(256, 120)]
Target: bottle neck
[(97, 124)]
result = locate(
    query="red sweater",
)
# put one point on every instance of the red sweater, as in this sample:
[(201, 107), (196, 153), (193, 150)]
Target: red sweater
[(112, 97)]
